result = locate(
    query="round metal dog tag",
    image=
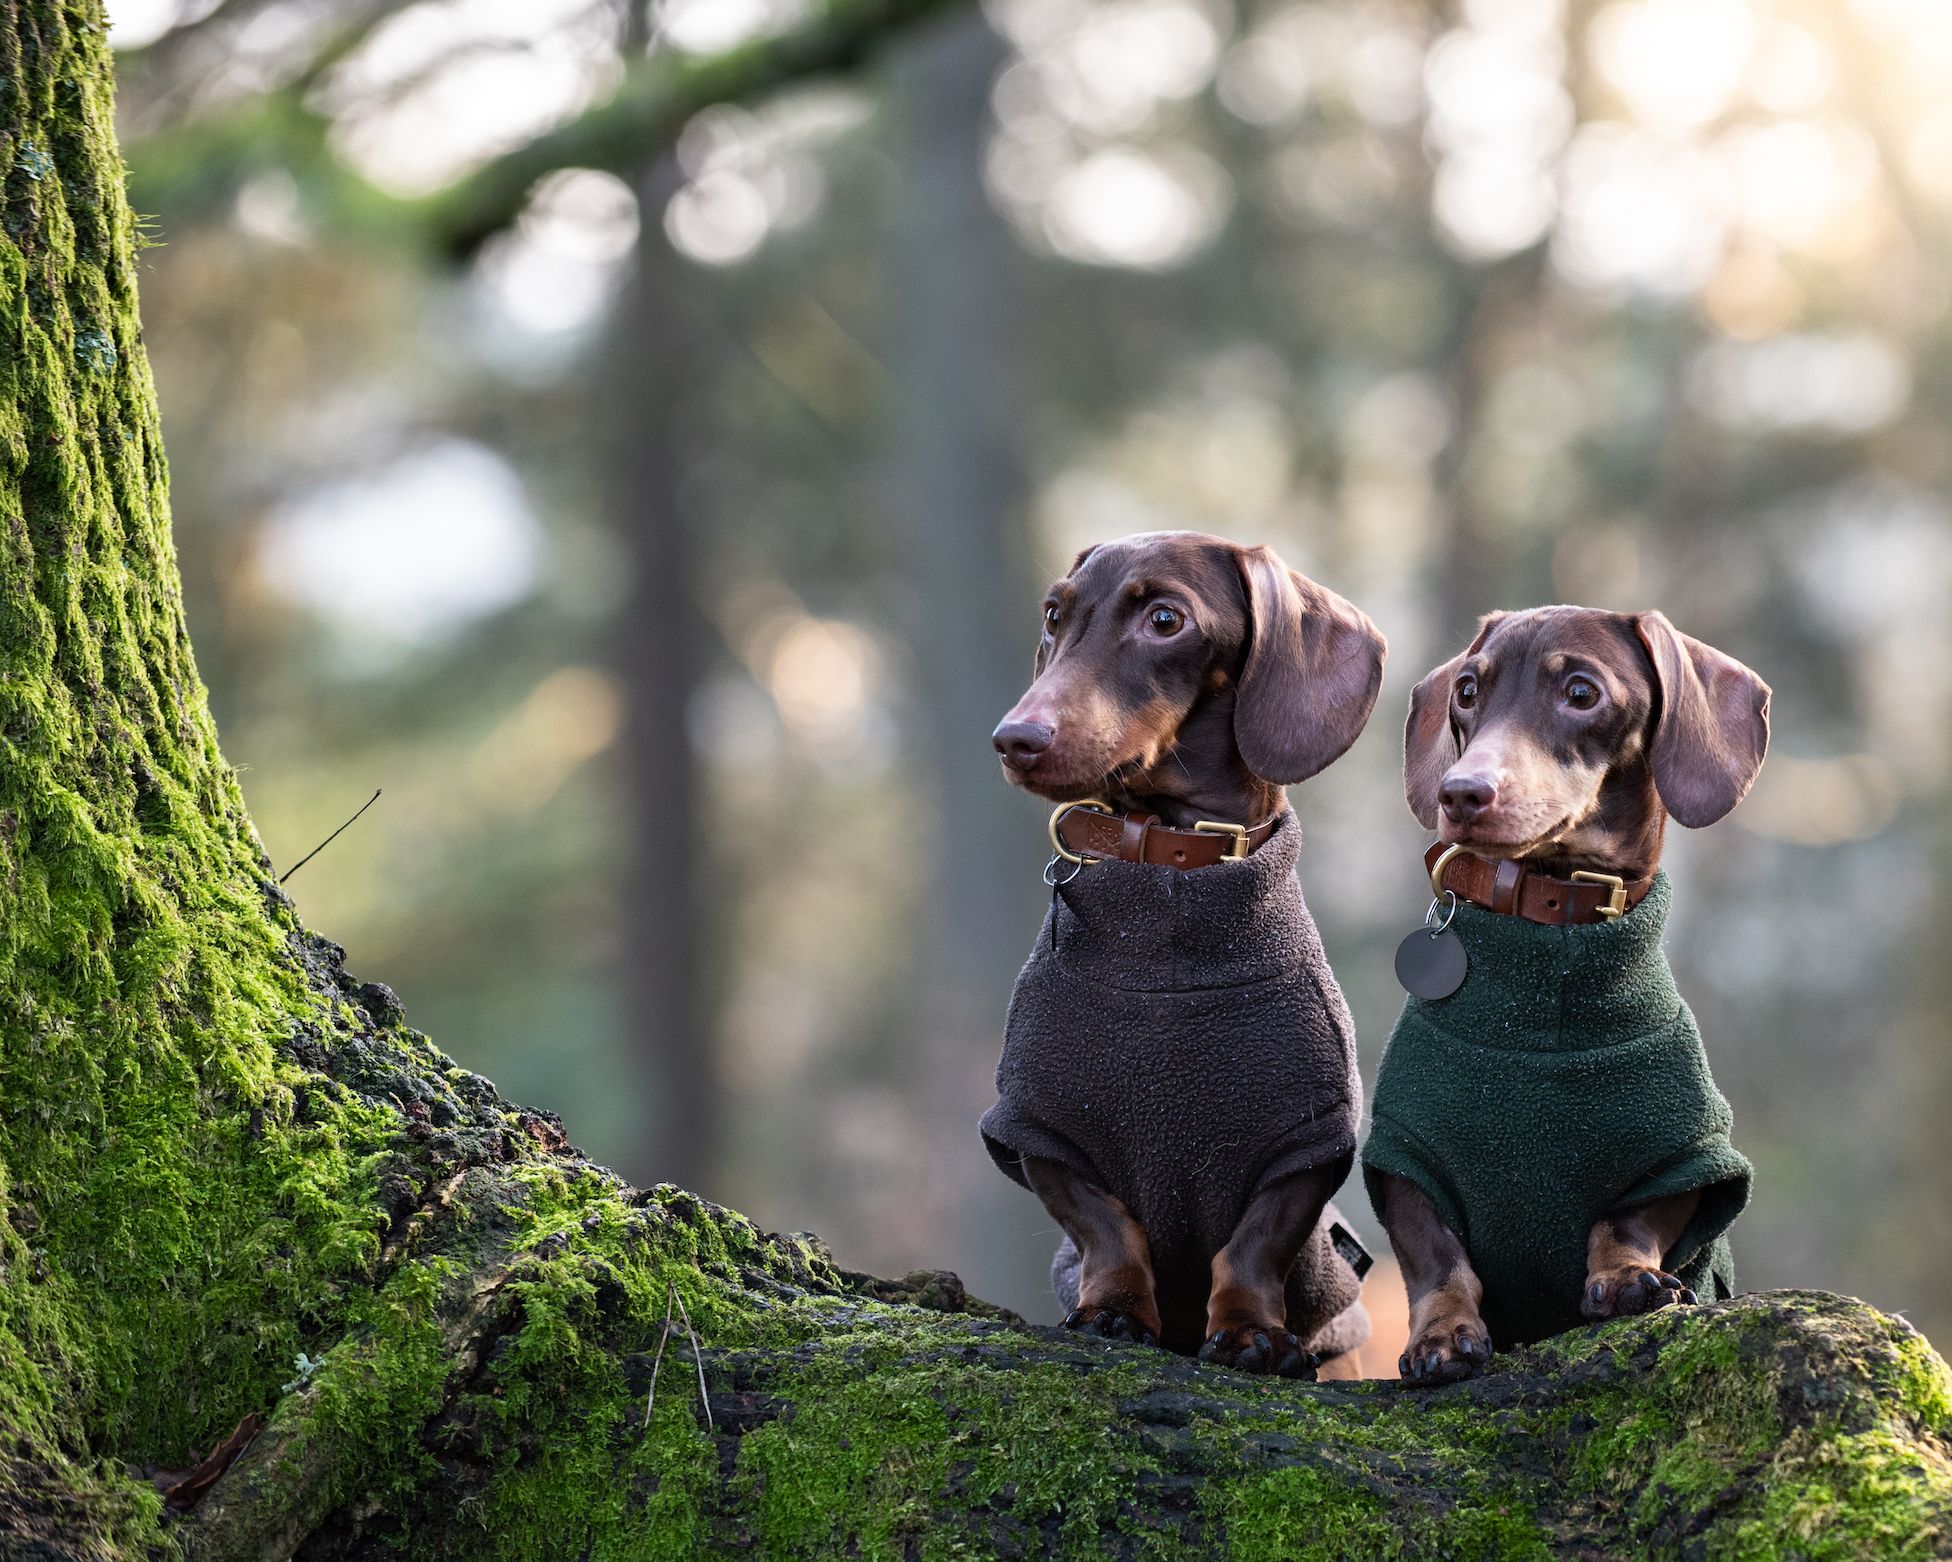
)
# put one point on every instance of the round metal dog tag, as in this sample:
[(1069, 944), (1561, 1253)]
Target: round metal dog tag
[(1431, 964)]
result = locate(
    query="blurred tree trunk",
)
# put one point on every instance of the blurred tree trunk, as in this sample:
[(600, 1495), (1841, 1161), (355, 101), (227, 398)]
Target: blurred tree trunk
[(961, 495), (658, 360)]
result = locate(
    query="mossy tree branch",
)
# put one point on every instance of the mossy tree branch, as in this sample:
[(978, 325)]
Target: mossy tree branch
[(233, 1181), (199, 163), (659, 95)]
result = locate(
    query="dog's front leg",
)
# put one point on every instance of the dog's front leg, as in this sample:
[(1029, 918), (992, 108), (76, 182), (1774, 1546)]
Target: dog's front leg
[(1115, 1289), (1624, 1254), (1448, 1339), (1247, 1310)]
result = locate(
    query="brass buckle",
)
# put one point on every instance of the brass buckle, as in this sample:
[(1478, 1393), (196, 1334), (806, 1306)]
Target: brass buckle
[(1437, 870), (1238, 850), (1097, 806), (1616, 903)]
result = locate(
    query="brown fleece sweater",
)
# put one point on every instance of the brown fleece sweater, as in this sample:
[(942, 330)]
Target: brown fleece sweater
[(1178, 1039)]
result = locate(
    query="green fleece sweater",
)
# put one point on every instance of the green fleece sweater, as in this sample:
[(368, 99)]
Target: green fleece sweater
[(1563, 1081)]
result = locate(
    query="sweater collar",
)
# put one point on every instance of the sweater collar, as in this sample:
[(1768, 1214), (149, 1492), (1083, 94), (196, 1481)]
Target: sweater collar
[(1537, 988), (1232, 922)]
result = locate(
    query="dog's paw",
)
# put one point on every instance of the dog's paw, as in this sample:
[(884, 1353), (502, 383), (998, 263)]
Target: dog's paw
[(1270, 1352), (1446, 1352), (1110, 1323), (1621, 1293)]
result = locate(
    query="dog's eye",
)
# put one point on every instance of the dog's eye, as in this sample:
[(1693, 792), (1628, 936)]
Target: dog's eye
[(1466, 691), (1165, 620), (1582, 693), (1052, 613)]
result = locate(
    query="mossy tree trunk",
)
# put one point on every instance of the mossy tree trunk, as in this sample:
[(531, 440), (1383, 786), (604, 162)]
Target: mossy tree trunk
[(233, 1182)]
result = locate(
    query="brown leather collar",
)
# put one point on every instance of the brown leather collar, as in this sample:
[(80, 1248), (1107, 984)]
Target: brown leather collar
[(1512, 889), (1092, 832)]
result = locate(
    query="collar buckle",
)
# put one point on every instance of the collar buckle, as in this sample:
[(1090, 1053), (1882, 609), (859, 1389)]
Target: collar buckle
[(1097, 806), (1237, 848), (1616, 903)]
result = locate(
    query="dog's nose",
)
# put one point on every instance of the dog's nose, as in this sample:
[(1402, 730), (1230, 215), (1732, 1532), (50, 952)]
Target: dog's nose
[(1466, 797), (1020, 742)]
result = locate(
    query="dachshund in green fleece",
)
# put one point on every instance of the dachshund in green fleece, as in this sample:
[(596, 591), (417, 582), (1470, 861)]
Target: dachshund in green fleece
[(1547, 1143)]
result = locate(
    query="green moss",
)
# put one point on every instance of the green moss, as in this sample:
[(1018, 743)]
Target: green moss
[(1840, 1499), (1305, 1516), (174, 1230), (1923, 1385)]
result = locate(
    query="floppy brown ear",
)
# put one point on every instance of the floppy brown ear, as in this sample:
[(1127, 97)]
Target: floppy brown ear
[(1428, 749), (1314, 666), (1713, 726)]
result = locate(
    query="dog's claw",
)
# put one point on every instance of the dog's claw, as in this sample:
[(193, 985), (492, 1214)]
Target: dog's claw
[(1108, 1323), (1436, 1359), (1628, 1292), (1248, 1349)]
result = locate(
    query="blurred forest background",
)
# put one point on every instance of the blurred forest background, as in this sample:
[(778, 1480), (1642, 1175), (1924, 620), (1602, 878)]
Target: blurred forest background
[(656, 504)]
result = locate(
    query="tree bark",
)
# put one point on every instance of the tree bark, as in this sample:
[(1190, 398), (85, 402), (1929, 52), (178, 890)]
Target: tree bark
[(233, 1182)]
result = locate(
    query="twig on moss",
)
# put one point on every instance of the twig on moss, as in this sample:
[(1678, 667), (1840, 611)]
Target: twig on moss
[(697, 1356), (329, 839), (650, 1399)]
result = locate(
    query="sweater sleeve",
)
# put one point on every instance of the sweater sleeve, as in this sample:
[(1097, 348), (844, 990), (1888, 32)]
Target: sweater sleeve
[(1721, 1174), (1011, 1134), (1391, 1150)]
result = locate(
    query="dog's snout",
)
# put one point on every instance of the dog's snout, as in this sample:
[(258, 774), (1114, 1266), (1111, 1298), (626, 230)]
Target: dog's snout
[(1021, 742), (1466, 796)]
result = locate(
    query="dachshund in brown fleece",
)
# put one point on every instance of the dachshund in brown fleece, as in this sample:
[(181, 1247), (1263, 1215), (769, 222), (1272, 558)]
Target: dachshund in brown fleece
[(1185, 1140)]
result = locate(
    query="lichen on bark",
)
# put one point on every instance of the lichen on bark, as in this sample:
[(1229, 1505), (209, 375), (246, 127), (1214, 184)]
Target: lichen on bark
[(233, 1181)]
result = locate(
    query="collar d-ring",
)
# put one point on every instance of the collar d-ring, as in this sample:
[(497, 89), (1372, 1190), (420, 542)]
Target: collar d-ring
[(1051, 874), (1437, 872)]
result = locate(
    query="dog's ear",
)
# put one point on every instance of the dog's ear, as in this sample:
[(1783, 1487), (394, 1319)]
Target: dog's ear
[(1314, 666), (1428, 749), (1712, 728)]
